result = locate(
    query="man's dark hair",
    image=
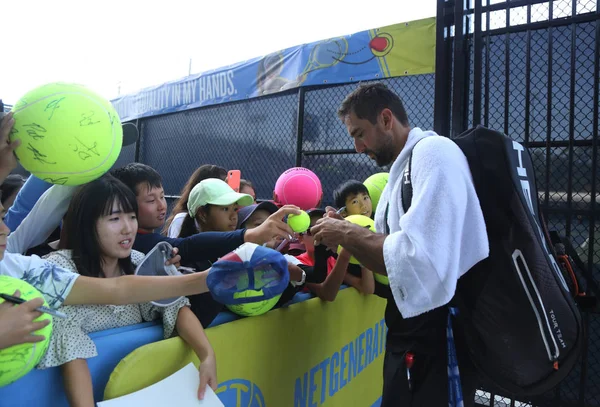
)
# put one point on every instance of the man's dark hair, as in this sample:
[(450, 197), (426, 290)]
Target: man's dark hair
[(351, 187), (369, 99), (135, 174)]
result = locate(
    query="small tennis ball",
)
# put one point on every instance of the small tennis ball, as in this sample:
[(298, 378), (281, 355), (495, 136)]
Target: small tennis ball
[(18, 360), (299, 223), (363, 221), (69, 134)]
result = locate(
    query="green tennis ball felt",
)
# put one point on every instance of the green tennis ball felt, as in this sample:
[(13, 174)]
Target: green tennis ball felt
[(299, 223), (253, 309), (375, 185), (363, 221), (18, 360), (69, 134)]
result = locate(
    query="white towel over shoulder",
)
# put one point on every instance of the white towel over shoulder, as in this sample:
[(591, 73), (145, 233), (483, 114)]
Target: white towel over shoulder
[(443, 233)]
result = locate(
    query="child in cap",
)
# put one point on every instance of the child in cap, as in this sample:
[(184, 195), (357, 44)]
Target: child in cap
[(252, 216), (354, 197), (213, 205), (172, 226)]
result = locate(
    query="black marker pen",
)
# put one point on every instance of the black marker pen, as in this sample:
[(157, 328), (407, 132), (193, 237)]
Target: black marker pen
[(46, 310)]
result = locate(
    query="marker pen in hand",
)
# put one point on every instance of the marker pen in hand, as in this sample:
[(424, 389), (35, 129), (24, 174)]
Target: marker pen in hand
[(45, 310)]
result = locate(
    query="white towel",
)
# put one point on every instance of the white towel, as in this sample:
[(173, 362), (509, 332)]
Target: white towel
[(443, 233)]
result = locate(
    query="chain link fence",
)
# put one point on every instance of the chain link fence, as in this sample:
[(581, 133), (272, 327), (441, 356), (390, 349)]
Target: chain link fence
[(531, 70), (328, 149)]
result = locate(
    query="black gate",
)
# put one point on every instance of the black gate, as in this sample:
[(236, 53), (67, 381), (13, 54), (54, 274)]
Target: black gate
[(530, 68)]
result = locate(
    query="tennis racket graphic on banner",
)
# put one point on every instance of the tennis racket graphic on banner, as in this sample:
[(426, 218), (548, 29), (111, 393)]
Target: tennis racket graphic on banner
[(324, 54)]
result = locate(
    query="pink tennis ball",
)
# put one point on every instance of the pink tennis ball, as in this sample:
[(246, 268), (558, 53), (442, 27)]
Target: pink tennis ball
[(299, 186)]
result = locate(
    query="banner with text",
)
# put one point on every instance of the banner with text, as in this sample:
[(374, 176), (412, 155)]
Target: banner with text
[(396, 50), (309, 354)]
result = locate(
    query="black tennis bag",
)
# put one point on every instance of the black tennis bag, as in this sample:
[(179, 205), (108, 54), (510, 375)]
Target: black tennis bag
[(523, 329)]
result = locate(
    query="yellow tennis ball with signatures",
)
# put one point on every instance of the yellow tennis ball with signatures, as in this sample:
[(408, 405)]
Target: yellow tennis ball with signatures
[(16, 361), (69, 134)]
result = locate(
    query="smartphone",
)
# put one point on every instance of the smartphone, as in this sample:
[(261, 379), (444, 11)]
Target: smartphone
[(233, 179)]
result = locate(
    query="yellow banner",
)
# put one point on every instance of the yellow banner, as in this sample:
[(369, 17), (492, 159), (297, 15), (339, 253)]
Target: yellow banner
[(412, 51), (309, 354)]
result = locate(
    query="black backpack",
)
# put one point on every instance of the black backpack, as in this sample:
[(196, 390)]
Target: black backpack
[(522, 326)]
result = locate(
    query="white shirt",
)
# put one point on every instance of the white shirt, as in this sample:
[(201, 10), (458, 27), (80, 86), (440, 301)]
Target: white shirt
[(70, 336), (175, 227), (53, 282), (442, 235)]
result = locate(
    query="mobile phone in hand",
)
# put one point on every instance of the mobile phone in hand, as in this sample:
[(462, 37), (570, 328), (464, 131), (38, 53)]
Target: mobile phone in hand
[(233, 179)]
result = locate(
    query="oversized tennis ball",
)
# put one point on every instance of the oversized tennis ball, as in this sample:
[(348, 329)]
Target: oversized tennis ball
[(69, 134), (298, 186), (363, 221), (16, 361), (253, 309), (299, 223), (375, 185)]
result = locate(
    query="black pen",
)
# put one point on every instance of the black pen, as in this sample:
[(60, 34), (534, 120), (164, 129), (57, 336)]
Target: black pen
[(46, 310)]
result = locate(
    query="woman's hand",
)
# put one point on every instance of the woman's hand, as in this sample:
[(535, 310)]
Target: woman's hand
[(208, 375)]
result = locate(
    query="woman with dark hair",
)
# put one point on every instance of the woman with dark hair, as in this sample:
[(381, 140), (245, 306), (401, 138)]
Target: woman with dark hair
[(101, 226), (173, 224), (10, 188)]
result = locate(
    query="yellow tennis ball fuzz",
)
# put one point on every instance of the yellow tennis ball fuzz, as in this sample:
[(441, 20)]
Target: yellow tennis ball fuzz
[(69, 134), (18, 360), (363, 221), (299, 223)]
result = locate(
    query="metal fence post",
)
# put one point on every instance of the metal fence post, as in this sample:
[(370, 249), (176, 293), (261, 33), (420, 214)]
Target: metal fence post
[(443, 59), (300, 127), (138, 124)]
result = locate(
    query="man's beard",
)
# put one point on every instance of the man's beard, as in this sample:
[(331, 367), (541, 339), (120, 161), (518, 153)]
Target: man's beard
[(383, 157)]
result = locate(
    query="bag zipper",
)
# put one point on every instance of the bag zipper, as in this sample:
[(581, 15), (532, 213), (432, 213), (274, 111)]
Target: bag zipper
[(533, 294)]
